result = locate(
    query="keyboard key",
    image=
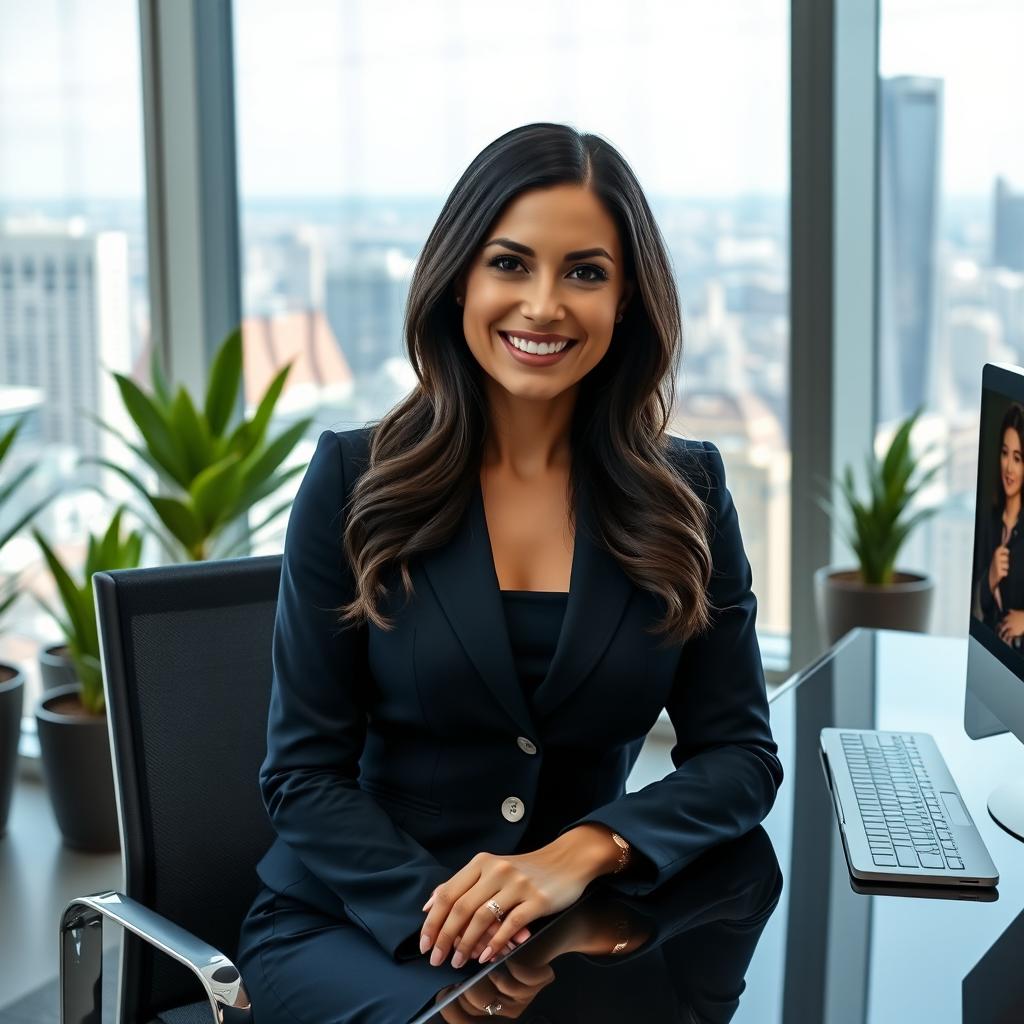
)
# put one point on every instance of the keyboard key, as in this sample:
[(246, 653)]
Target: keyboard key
[(955, 863), (906, 856), (931, 860), (884, 860)]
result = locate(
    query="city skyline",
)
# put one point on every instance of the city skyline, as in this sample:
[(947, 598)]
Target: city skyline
[(76, 69)]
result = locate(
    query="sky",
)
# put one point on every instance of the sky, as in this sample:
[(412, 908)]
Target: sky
[(383, 97)]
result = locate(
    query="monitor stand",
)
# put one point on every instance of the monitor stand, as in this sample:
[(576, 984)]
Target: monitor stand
[(1006, 805)]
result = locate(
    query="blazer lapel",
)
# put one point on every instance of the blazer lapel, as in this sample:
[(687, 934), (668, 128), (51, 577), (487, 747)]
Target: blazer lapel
[(598, 593), (464, 580)]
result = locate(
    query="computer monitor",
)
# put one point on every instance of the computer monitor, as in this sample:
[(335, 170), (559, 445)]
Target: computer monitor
[(995, 645)]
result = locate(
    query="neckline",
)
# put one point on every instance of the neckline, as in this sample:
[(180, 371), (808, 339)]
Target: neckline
[(478, 501), (535, 593)]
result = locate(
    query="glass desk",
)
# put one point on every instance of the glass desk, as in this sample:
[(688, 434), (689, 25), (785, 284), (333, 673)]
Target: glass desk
[(768, 928)]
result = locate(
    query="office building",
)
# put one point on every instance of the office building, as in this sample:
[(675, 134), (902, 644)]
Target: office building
[(64, 325), (365, 302), (757, 457), (285, 272), (910, 145), (1008, 236)]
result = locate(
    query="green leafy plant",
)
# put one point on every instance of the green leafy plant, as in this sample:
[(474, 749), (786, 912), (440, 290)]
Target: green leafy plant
[(215, 471), (78, 623), (8, 492), (876, 531)]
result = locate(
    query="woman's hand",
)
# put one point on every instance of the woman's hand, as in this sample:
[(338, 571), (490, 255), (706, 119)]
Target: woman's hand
[(525, 886), (1011, 625), (998, 567)]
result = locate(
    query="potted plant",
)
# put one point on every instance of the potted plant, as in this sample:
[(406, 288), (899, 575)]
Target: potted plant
[(71, 720), (12, 677), (214, 472), (876, 594)]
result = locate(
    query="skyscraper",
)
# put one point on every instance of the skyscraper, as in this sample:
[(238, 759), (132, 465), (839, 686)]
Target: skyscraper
[(64, 323), (911, 128), (1008, 236)]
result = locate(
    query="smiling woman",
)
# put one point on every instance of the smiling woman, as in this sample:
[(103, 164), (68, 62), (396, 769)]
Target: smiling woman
[(443, 772), (547, 235)]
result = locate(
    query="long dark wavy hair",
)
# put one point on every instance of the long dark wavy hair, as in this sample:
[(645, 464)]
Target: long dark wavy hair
[(1012, 418), (425, 453)]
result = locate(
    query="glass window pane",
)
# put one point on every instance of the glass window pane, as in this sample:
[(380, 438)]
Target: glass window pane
[(73, 293), (951, 282), (356, 119)]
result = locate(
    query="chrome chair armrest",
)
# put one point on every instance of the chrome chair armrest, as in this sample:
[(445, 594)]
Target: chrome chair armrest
[(81, 957)]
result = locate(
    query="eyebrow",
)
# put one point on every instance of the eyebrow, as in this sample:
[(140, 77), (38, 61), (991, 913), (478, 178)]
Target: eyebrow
[(579, 254)]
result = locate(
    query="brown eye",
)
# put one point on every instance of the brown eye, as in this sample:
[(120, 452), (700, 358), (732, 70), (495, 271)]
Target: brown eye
[(498, 259), (601, 275)]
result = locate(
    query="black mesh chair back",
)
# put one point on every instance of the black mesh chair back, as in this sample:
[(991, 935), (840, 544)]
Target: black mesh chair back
[(187, 669)]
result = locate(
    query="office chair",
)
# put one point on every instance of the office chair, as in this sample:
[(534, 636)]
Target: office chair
[(186, 655)]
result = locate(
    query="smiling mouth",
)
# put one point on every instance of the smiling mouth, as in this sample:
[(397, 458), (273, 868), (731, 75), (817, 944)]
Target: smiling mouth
[(534, 358)]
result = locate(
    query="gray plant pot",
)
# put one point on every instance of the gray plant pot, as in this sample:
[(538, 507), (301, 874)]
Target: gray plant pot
[(12, 697), (843, 602), (75, 752), (55, 667)]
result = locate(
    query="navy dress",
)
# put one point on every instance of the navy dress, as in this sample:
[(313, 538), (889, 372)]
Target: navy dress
[(296, 961)]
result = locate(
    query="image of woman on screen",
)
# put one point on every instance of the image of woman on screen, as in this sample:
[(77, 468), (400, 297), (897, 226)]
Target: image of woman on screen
[(1002, 564)]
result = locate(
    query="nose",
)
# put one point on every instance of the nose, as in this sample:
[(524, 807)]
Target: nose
[(542, 307)]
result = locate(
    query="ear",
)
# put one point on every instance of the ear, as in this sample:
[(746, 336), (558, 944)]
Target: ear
[(627, 294)]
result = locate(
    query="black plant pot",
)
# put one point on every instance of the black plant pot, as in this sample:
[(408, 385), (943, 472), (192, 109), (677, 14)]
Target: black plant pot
[(55, 667), (75, 752), (843, 602), (12, 697)]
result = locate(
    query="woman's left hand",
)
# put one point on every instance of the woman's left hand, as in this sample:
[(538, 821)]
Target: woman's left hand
[(525, 886), (1011, 625)]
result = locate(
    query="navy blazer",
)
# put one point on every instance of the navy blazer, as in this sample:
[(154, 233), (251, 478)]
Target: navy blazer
[(1011, 586), (394, 757)]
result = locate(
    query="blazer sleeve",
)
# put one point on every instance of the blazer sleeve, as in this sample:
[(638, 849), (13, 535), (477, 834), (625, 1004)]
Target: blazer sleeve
[(317, 726), (727, 772)]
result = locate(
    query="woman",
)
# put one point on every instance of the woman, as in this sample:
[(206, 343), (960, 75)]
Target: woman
[(447, 767), (1002, 568)]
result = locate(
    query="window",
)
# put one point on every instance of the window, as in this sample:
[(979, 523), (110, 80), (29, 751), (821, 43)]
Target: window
[(71, 173), (951, 252), (355, 119)]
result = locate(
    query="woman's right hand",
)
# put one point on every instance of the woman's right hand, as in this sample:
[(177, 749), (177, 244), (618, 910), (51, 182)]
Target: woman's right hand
[(998, 567)]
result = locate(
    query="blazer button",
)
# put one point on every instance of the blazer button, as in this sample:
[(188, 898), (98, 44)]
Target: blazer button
[(525, 745), (512, 808)]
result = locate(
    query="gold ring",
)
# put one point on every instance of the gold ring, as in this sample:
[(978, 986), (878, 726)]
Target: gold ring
[(498, 912)]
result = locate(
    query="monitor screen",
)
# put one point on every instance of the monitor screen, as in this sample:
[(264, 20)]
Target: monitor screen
[(997, 599)]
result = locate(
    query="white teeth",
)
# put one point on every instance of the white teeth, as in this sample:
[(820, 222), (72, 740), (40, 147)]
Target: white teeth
[(542, 349)]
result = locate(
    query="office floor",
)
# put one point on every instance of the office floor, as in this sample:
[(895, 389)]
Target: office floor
[(38, 875)]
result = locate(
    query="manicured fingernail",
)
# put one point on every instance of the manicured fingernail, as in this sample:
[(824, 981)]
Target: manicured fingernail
[(427, 905), (485, 955), (424, 943), (459, 959), (436, 957)]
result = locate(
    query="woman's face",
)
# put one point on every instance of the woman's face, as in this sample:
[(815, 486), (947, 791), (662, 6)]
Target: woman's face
[(544, 291), (1010, 465)]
